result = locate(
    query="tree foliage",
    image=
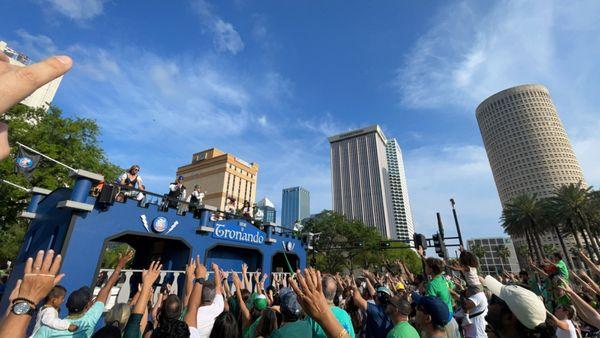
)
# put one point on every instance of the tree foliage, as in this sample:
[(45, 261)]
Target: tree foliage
[(73, 141), (350, 244)]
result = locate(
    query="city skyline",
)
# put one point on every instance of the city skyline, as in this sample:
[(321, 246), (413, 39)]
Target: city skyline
[(295, 206), (270, 93)]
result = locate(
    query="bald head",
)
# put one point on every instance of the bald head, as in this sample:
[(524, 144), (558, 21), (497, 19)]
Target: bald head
[(329, 287)]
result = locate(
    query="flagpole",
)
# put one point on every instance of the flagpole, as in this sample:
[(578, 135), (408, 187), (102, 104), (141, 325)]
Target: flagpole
[(14, 185), (47, 157)]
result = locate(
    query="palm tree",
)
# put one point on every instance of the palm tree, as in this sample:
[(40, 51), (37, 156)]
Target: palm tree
[(504, 254), (478, 250), (555, 220), (573, 204), (523, 216)]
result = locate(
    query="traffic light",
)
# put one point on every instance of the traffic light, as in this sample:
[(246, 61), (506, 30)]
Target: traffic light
[(384, 244), (420, 240), (440, 247)]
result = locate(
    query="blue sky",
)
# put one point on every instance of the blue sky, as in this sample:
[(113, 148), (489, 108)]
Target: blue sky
[(270, 80)]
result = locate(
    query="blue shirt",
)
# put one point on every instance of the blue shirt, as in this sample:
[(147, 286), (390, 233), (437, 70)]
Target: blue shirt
[(378, 323), (85, 324)]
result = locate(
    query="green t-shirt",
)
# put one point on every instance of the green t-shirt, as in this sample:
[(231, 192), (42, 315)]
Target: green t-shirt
[(403, 330), (342, 317), (437, 287), (297, 329), (562, 267), (250, 331)]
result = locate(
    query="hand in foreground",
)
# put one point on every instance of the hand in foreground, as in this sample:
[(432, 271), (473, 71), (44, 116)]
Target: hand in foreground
[(40, 276), (16, 83), (310, 293)]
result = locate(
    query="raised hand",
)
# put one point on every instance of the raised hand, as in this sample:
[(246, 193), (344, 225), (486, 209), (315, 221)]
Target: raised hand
[(125, 258), (200, 269), (149, 276), (40, 276), (236, 280), (16, 83), (190, 268), (310, 293)]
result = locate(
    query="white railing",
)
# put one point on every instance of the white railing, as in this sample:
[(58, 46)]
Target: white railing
[(121, 292)]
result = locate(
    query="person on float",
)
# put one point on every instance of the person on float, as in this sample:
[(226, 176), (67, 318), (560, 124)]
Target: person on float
[(131, 179)]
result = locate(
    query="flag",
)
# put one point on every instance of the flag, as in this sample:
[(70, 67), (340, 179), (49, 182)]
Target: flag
[(26, 162)]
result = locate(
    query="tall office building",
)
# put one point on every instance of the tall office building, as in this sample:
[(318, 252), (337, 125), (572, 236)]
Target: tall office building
[(399, 192), (295, 206), (268, 210), (527, 145), (491, 263), (368, 182), (229, 181), (42, 97)]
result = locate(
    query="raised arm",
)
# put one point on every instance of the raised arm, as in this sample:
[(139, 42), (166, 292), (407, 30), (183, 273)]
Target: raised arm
[(189, 281), (191, 317), (114, 277), (562, 324), (245, 280), (136, 324), (593, 267), (242, 304), (584, 310), (357, 298)]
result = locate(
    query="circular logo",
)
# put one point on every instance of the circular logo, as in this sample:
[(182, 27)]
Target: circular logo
[(159, 224), (24, 162), (289, 246)]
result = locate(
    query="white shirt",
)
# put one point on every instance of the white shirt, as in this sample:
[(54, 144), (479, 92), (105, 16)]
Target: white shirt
[(570, 333), (48, 316), (477, 327), (207, 315), (471, 277)]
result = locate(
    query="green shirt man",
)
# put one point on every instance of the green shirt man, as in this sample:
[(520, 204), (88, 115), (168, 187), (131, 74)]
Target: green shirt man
[(438, 287), (403, 330)]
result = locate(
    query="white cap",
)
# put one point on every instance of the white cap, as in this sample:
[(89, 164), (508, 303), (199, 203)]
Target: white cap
[(524, 304)]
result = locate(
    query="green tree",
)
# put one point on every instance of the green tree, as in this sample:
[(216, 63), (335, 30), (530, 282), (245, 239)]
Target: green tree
[(575, 206), (478, 250), (504, 254), (348, 244), (73, 141), (523, 216)]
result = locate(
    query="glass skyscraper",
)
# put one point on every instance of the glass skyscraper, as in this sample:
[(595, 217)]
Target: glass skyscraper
[(295, 206)]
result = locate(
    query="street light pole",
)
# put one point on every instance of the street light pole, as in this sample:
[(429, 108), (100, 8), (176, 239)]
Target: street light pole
[(460, 240)]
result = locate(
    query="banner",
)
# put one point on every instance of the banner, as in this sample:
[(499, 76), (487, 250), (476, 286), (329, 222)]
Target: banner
[(26, 162)]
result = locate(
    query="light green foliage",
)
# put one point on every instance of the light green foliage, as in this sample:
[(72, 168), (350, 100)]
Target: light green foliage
[(339, 232)]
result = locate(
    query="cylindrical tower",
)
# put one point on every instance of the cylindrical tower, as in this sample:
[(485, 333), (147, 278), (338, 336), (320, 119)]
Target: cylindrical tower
[(526, 143), (527, 147)]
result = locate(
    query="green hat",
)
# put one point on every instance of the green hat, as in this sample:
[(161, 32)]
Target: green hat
[(260, 302)]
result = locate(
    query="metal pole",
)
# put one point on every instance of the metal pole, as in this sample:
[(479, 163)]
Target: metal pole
[(47, 157), (14, 185), (460, 240)]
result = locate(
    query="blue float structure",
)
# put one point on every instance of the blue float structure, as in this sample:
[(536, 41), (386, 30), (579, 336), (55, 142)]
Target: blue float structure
[(81, 227)]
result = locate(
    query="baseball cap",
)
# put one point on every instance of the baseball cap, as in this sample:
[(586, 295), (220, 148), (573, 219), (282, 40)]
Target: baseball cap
[(260, 302), (79, 299), (524, 304), (400, 286), (289, 302), (180, 177), (434, 307), (384, 290)]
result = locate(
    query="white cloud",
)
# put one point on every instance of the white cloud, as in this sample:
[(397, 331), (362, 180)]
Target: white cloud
[(461, 172), (262, 120), (225, 37), (78, 9), (473, 50)]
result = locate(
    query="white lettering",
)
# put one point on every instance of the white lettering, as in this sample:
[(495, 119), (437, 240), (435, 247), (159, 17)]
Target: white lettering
[(237, 235)]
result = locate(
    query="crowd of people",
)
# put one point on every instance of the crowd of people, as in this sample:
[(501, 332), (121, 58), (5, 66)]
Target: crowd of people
[(446, 299)]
